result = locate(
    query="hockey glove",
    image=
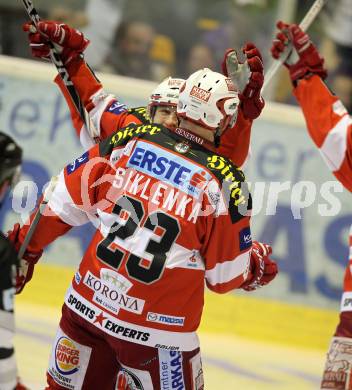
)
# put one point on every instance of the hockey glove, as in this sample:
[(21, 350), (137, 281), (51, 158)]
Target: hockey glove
[(68, 41), (304, 58), (26, 265), (248, 77), (262, 270)]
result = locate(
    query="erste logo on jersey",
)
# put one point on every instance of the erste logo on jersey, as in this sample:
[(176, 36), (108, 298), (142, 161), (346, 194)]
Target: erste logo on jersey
[(169, 167), (66, 356), (77, 163)]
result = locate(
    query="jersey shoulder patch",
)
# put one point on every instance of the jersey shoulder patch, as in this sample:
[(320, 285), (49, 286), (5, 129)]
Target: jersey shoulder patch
[(117, 108), (70, 168)]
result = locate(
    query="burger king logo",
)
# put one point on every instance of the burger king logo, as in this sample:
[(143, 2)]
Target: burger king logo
[(66, 356)]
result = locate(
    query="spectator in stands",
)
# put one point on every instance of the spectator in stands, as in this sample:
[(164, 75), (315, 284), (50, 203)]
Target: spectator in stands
[(200, 56), (130, 53), (75, 18), (339, 30)]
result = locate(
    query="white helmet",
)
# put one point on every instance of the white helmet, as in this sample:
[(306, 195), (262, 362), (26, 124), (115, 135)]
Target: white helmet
[(165, 94), (209, 99)]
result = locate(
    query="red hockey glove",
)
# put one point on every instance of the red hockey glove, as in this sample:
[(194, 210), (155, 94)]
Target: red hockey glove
[(26, 265), (262, 270), (68, 41), (248, 77), (304, 59)]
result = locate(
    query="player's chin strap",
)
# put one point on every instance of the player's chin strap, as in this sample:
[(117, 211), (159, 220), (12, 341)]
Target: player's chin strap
[(217, 135)]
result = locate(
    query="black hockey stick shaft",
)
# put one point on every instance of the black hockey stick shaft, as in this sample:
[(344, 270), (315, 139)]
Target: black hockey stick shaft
[(55, 58)]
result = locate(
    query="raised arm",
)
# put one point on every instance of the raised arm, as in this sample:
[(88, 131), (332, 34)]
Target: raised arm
[(248, 78), (328, 122), (106, 113)]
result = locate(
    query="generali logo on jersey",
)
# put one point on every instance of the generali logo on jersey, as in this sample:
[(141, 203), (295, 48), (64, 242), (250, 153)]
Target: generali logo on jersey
[(200, 93)]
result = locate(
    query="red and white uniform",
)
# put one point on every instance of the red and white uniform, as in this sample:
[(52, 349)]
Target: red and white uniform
[(107, 115), (164, 230), (330, 127)]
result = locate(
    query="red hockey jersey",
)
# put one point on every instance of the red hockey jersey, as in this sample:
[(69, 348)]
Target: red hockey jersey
[(329, 125), (108, 114), (171, 216)]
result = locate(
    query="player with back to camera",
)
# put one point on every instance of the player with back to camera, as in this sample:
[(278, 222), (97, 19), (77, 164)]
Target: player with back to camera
[(173, 215)]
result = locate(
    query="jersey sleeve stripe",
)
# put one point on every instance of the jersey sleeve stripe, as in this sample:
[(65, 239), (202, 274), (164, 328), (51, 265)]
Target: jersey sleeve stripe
[(85, 139), (63, 206), (335, 144), (101, 101), (228, 270)]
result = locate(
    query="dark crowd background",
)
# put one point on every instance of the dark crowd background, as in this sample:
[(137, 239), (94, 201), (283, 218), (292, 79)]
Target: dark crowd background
[(152, 39)]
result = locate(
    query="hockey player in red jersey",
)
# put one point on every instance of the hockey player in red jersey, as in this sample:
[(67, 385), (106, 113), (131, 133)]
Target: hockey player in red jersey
[(330, 128), (172, 216), (107, 114), (10, 168)]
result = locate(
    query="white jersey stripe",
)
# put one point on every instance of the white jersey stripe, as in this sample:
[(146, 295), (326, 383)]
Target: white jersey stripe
[(100, 100), (86, 140), (63, 206), (335, 144), (228, 270)]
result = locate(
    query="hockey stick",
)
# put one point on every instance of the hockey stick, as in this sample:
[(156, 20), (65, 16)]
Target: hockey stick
[(46, 197), (304, 25), (55, 58)]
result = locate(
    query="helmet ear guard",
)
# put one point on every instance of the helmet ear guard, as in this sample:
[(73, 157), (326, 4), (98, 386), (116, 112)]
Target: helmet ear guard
[(209, 99), (151, 111)]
